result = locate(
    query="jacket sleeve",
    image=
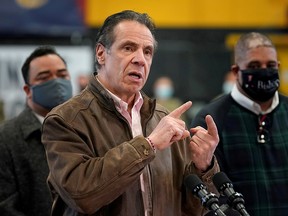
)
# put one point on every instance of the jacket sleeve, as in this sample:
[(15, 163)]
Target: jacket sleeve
[(87, 182), (193, 204), (9, 195)]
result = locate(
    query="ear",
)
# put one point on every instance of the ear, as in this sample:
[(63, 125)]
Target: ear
[(27, 90), (235, 69), (100, 53)]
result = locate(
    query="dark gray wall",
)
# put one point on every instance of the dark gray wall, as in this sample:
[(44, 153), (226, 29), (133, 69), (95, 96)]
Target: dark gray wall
[(197, 63)]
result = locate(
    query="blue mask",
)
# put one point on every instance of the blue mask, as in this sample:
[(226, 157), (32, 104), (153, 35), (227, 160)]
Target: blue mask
[(227, 87), (164, 92), (52, 93)]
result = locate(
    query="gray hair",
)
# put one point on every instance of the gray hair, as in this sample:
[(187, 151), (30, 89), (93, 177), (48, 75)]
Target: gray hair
[(249, 41)]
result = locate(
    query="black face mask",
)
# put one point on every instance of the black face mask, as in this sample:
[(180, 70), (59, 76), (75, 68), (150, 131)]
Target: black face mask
[(260, 84)]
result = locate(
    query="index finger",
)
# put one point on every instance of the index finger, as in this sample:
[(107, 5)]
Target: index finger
[(176, 113), (211, 126)]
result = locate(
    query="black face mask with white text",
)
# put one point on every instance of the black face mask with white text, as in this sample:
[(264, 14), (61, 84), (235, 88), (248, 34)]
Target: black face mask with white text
[(260, 84)]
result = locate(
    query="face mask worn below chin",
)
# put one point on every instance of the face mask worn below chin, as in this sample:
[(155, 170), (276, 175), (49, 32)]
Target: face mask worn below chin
[(52, 93), (260, 84)]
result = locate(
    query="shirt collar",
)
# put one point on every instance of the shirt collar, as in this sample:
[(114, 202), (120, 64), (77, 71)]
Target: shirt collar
[(39, 117), (249, 104), (122, 105)]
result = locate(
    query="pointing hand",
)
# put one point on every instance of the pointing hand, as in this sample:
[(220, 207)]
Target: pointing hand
[(171, 128)]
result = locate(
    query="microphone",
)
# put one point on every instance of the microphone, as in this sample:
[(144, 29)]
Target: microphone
[(208, 200), (225, 187)]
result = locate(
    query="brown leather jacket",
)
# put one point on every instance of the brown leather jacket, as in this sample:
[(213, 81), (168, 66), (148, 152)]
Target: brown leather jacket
[(95, 163)]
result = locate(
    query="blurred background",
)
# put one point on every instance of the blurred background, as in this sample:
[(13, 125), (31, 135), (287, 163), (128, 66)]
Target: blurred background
[(196, 39)]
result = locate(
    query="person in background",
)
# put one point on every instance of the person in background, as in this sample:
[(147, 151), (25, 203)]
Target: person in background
[(227, 86), (82, 81), (229, 82), (23, 164), (164, 93), (252, 123), (112, 150)]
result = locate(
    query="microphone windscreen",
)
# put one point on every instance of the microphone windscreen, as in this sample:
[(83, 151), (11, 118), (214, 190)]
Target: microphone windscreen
[(219, 179), (192, 181)]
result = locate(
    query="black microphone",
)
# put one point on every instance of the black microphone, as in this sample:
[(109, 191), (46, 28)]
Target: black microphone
[(225, 187), (208, 200)]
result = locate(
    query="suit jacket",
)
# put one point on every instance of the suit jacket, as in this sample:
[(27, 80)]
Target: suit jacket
[(23, 167)]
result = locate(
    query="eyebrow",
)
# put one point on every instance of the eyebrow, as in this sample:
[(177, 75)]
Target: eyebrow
[(42, 72), (132, 43), (61, 70), (48, 71), (258, 62)]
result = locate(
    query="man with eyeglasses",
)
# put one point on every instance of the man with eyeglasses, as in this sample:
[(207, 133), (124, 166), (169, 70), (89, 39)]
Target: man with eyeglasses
[(253, 128)]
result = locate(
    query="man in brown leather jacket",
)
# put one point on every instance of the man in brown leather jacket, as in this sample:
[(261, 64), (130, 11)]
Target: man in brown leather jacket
[(112, 150)]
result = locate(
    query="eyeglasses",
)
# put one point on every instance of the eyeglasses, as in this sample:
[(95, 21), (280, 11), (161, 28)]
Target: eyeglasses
[(263, 135)]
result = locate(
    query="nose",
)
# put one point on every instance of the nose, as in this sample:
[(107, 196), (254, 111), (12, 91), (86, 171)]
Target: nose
[(139, 58), (264, 66), (55, 76)]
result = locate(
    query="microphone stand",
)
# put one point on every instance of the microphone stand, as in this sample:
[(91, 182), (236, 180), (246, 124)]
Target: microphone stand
[(226, 209)]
